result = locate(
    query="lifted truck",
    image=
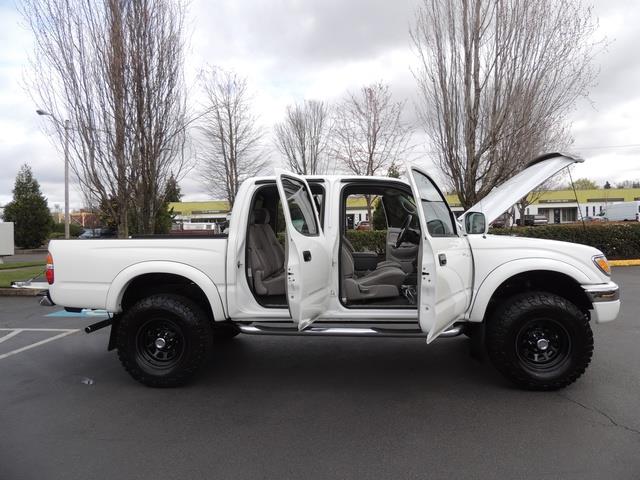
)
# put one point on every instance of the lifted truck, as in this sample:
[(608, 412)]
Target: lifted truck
[(527, 303)]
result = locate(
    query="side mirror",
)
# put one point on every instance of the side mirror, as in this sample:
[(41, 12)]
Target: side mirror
[(475, 223)]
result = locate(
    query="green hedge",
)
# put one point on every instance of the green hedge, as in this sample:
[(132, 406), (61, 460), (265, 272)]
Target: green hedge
[(368, 240), (362, 240), (74, 230), (617, 241)]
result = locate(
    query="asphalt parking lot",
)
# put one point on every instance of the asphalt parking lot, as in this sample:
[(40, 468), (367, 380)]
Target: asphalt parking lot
[(272, 407)]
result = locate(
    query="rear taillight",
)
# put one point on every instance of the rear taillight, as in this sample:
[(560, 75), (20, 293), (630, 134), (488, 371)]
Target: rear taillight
[(49, 270)]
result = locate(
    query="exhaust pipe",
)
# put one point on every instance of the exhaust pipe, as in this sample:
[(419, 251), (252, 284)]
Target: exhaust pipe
[(97, 326)]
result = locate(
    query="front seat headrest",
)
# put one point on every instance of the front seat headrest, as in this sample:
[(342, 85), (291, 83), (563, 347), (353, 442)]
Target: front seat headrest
[(260, 216)]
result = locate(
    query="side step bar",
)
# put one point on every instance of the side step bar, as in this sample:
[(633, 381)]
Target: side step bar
[(452, 331)]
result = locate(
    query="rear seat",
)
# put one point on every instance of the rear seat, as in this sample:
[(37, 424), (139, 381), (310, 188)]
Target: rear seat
[(266, 256)]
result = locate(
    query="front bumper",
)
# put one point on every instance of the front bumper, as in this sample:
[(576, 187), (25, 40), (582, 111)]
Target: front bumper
[(605, 299)]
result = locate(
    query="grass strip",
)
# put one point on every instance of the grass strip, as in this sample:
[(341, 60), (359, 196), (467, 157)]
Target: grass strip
[(6, 277), (9, 266)]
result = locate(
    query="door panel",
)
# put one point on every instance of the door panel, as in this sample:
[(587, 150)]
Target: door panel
[(307, 257), (454, 279), (445, 282)]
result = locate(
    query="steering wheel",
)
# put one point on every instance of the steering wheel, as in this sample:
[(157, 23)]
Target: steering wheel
[(403, 230)]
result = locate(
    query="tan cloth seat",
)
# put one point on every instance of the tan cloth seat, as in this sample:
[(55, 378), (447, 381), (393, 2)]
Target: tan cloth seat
[(265, 256), (383, 282)]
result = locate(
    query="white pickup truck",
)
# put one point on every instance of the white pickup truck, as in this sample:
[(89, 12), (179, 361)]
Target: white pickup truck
[(527, 303)]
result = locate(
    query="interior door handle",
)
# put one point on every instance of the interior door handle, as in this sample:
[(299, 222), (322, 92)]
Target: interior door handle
[(442, 258), (306, 255)]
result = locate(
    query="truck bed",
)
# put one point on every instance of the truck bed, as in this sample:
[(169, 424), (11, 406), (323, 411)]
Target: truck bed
[(87, 270)]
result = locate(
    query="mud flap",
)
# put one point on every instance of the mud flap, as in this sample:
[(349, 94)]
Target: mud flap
[(476, 334), (115, 321)]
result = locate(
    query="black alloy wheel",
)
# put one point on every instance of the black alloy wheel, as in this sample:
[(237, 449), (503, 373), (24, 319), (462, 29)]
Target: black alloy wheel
[(543, 344), (160, 344)]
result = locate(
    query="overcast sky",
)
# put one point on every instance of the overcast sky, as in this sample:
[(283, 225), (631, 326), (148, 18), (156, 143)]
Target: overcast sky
[(297, 49)]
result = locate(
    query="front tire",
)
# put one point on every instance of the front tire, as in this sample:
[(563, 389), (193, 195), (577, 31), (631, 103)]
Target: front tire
[(539, 341), (163, 340)]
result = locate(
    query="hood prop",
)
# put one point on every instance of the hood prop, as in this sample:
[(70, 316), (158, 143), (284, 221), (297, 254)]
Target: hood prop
[(575, 193)]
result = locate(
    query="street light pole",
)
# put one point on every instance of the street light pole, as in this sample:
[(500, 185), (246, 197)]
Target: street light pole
[(67, 126), (66, 179)]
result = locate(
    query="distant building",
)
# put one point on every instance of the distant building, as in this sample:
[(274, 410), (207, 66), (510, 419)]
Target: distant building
[(216, 211), (560, 206)]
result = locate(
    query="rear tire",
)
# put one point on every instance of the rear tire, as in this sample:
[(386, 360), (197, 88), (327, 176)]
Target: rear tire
[(539, 341), (163, 340)]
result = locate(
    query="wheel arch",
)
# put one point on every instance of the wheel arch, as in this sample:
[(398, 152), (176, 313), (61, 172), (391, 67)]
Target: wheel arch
[(551, 276), (146, 278)]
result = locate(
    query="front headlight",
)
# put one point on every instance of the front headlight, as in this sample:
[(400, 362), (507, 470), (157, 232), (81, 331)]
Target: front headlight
[(602, 264)]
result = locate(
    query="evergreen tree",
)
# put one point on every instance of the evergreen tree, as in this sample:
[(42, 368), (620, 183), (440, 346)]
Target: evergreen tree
[(28, 211), (165, 215), (379, 219), (394, 171)]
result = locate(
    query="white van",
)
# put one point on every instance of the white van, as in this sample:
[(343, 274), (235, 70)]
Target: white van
[(623, 211)]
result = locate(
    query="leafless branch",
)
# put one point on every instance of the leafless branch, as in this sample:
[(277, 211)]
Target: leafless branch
[(114, 69), (495, 77), (232, 137), (302, 138)]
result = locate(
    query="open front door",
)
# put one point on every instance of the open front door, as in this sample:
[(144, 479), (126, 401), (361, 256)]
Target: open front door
[(445, 278), (307, 257)]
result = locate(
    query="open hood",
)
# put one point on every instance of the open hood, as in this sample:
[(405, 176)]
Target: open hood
[(508, 193)]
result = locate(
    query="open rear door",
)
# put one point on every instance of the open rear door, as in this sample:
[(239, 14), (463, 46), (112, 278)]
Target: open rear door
[(307, 257), (446, 265)]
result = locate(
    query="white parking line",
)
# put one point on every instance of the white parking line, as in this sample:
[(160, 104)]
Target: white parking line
[(8, 336), (15, 331)]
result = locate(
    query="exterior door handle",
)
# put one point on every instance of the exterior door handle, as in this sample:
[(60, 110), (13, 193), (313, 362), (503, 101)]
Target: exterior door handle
[(442, 258), (306, 255)]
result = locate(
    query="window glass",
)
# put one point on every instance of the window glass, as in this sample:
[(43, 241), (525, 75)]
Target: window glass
[(397, 206), (300, 207), (318, 197), (439, 219)]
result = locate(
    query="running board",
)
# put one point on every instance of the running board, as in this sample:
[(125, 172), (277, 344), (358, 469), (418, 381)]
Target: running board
[(452, 331)]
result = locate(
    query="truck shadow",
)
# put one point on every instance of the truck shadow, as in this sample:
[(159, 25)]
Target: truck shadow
[(294, 363)]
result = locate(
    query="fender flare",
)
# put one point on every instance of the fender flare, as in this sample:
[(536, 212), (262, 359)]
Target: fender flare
[(123, 279), (500, 274)]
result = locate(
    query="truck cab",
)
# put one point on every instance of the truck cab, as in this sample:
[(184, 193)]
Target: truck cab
[(289, 265)]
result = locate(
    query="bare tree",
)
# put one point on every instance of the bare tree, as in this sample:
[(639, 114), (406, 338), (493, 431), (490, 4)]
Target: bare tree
[(494, 76), (369, 134), (114, 70), (302, 137), (232, 136)]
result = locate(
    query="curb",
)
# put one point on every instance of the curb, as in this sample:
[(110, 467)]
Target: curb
[(625, 263), (18, 292)]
